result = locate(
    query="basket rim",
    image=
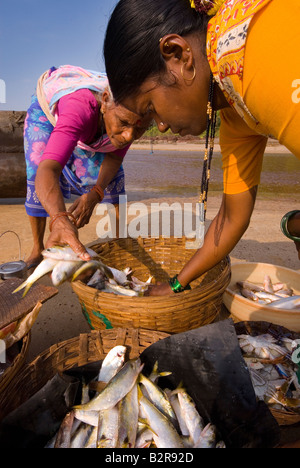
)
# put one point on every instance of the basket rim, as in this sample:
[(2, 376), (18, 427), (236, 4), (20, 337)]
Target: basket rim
[(206, 288)]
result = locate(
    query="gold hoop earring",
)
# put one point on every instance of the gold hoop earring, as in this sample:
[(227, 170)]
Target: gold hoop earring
[(188, 79)]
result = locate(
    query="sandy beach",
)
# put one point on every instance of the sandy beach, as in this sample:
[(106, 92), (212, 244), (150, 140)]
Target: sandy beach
[(61, 317)]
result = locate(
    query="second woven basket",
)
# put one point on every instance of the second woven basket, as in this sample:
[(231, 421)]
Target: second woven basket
[(162, 258)]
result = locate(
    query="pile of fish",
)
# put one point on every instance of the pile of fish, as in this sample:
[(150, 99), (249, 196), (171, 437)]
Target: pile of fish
[(278, 295), (130, 410), (273, 372), (64, 264)]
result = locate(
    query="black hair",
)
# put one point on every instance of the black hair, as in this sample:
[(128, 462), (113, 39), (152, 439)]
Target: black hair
[(131, 45)]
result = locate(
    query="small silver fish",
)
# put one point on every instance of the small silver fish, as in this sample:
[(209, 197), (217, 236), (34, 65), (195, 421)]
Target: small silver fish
[(108, 428), (112, 363), (292, 302), (65, 253), (46, 266), (63, 270), (207, 437), (164, 433), (116, 388), (192, 418), (93, 265)]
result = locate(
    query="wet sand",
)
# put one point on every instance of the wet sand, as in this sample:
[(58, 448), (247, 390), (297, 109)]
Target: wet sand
[(61, 317)]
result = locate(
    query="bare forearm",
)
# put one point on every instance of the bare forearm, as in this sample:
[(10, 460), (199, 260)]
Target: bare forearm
[(109, 168), (47, 187), (223, 234)]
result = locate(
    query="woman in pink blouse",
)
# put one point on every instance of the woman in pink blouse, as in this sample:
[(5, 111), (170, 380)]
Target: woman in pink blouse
[(75, 139)]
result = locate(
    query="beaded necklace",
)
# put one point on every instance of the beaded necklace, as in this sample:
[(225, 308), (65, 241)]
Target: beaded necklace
[(208, 154)]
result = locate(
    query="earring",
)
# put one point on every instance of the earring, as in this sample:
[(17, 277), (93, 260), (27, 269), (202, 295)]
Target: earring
[(188, 79)]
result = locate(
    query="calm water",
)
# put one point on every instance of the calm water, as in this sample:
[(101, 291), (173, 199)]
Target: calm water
[(178, 173)]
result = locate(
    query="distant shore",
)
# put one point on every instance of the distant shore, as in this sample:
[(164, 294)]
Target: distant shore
[(197, 145)]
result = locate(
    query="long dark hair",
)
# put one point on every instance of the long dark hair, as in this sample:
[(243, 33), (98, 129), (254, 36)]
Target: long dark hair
[(131, 46)]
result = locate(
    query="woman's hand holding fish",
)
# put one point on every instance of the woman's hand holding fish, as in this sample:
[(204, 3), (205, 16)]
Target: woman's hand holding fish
[(159, 289), (83, 208), (65, 233)]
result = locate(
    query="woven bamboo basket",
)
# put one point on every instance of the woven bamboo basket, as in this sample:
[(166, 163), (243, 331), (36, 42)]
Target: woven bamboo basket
[(75, 352), (284, 417), (162, 258), (11, 373)]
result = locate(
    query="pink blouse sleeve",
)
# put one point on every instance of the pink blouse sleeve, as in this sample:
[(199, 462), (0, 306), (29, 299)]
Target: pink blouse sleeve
[(77, 120)]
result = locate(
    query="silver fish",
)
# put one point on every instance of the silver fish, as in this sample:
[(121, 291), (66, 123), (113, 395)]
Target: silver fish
[(192, 418), (268, 286), (63, 270), (108, 428), (292, 302), (128, 423), (250, 286), (112, 363), (173, 398), (93, 265), (164, 433), (249, 294), (116, 388), (88, 417), (46, 266), (207, 437), (158, 397), (267, 296), (65, 253), (117, 289), (81, 436)]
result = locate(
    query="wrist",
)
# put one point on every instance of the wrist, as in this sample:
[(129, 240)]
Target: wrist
[(287, 225), (99, 192), (62, 218), (176, 286)]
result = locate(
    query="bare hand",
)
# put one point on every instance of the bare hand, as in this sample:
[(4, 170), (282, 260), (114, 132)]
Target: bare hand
[(159, 289), (83, 208), (65, 233)]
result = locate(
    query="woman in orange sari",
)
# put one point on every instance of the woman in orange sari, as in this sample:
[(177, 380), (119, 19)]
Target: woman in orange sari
[(178, 60)]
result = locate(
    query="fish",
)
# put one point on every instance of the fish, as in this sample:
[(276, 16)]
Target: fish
[(158, 397), (268, 286), (267, 296), (164, 433), (81, 436), (117, 289), (63, 270), (207, 437), (192, 418), (93, 265), (173, 398), (87, 417), (65, 253), (249, 294), (63, 439), (292, 302), (108, 428), (128, 422), (116, 388), (261, 347), (46, 266), (112, 363)]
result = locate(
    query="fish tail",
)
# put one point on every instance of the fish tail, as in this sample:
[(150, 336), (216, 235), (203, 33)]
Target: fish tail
[(23, 285)]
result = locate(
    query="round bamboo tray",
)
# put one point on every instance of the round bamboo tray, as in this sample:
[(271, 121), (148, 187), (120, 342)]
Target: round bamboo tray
[(162, 258), (75, 352), (284, 417), (11, 373), (243, 309)]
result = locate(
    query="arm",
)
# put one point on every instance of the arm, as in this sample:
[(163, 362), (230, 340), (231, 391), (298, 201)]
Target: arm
[(49, 194), (223, 234), (83, 207)]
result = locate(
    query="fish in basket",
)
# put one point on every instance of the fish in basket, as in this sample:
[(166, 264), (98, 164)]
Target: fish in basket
[(64, 264)]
